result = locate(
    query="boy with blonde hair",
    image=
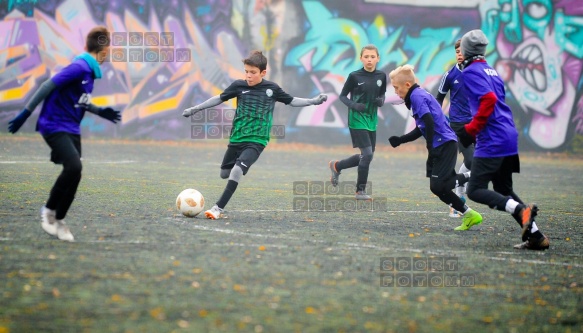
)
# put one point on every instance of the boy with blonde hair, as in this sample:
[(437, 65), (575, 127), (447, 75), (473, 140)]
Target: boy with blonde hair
[(441, 142)]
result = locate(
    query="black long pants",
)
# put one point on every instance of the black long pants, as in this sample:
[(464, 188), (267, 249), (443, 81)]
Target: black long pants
[(65, 150)]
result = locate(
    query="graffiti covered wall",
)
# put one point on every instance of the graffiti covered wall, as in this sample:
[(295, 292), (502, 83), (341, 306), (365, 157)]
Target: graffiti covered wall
[(171, 54)]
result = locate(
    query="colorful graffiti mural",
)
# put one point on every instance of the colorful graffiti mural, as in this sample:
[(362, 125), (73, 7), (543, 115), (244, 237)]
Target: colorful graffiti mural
[(311, 46)]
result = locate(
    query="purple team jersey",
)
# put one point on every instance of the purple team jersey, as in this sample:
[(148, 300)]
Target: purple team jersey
[(459, 108), (422, 103), (499, 137), (59, 113)]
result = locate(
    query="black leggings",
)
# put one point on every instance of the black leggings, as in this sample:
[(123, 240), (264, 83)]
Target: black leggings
[(65, 150)]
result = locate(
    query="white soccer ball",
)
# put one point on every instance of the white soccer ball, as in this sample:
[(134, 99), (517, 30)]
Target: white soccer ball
[(190, 202)]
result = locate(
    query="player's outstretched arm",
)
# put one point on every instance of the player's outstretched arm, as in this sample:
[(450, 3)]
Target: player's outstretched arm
[(44, 90), (298, 102), (396, 141), (209, 103), (106, 113)]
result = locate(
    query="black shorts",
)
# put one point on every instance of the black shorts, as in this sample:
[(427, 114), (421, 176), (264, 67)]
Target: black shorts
[(63, 146), (497, 170), (443, 164), (244, 154), (363, 138)]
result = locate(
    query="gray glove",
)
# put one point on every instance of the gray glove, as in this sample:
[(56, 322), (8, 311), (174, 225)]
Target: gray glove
[(319, 99)]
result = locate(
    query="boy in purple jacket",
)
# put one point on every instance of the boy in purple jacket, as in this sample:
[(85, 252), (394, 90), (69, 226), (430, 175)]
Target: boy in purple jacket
[(67, 96), (493, 130), (459, 111), (441, 142)]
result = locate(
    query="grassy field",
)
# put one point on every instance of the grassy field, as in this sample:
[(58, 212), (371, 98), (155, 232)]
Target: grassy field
[(139, 266)]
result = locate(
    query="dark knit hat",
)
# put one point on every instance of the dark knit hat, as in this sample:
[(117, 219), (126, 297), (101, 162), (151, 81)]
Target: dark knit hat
[(474, 43)]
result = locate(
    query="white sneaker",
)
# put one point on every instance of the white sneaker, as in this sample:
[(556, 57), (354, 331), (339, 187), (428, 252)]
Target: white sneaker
[(361, 195), (214, 213), (63, 232), (48, 221), (453, 212)]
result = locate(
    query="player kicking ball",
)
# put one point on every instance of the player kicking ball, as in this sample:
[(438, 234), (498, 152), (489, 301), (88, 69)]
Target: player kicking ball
[(256, 98), (441, 143), (67, 96)]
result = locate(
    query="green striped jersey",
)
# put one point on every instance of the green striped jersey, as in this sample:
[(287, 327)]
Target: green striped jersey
[(255, 104), (364, 87)]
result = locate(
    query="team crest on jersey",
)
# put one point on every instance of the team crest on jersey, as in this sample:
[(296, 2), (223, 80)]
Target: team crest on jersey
[(379, 83), (269, 92)]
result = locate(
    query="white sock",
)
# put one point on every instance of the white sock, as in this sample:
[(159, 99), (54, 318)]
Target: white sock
[(534, 228), (463, 169), (511, 206)]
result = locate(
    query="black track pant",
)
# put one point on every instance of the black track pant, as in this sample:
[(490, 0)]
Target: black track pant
[(65, 150)]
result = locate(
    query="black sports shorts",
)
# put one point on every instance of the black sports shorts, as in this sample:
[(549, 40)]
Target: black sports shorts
[(362, 138)]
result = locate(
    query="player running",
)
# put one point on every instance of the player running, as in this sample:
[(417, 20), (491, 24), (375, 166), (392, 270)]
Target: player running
[(492, 128), (440, 139), (367, 87), (459, 113), (67, 96)]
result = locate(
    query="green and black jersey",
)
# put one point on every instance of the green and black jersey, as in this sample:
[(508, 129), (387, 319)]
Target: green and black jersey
[(364, 87), (254, 114)]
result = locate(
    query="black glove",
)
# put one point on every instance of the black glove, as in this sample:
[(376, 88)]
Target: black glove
[(15, 124), (465, 138), (380, 101), (110, 114), (359, 107), (395, 141)]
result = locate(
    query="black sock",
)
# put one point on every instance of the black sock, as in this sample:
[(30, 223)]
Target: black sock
[(346, 163), (227, 193), (362, 178)]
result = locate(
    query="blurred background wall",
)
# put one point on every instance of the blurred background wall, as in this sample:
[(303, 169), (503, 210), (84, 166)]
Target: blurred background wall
[(171, 54)]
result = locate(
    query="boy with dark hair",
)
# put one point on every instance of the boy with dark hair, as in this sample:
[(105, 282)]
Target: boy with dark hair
[(492, 129), (459, 113), (441, 142), (367, 87), (252, 122), (67, 96)]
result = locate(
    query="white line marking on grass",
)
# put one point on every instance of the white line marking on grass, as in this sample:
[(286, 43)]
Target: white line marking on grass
[(111, 162), (84, 161), (538, 262), (335, 211)]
